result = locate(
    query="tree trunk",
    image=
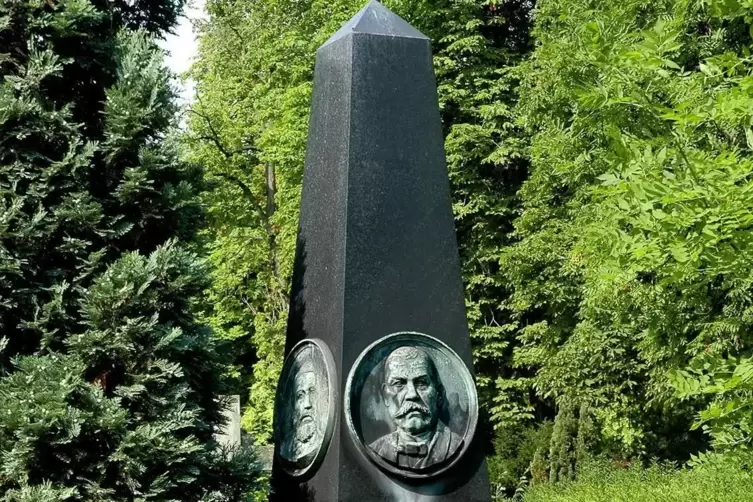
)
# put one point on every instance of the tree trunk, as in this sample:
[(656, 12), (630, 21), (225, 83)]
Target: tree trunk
[(271, 189)]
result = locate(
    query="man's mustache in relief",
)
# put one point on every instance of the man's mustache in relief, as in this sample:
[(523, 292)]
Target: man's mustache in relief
[(410, 407)]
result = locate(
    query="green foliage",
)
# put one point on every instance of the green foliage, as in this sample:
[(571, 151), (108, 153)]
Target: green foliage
[(51, 425), (633, 243), (109, 384), (562, 449), (130, 411), (574, 440), (539, 468), (520, 456), (248, 128), (44, 492), (476, 46), (657, 483), (80, 180), (725, 384)]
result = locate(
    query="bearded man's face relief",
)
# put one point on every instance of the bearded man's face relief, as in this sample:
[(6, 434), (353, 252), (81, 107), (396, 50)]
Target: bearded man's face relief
[(410, 391), (304, 419)]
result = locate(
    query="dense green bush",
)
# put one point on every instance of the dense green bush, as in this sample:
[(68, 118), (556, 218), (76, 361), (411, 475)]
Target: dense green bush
[(109, 386), (515, 447), (634, 240)]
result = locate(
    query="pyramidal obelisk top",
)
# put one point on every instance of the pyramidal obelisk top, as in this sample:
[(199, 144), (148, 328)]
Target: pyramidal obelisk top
[(376, 400), (376, 19)]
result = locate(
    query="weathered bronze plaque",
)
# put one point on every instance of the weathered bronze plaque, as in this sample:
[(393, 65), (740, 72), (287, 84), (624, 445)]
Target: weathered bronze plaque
[(306, 408), (411, 405)]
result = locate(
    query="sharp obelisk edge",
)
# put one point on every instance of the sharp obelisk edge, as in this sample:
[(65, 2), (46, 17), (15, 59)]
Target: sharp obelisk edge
[(376, 19)]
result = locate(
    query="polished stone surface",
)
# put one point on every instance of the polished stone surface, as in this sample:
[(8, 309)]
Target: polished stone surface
[(377, 252)]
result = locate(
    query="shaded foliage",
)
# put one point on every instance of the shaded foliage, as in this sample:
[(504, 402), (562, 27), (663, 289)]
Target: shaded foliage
[(109, 386)]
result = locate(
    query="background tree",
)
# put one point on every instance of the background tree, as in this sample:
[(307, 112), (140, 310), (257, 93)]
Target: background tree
[(109, 384), (632, 259)]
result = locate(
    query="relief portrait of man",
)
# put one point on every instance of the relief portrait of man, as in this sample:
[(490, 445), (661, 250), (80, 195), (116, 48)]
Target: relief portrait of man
[(414, 396), (303, 435)]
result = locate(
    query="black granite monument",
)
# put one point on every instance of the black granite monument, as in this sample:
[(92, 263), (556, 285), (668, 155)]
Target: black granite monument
[(376, 401)]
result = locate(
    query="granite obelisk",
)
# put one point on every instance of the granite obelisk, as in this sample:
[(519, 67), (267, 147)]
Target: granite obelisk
[(377, 289)]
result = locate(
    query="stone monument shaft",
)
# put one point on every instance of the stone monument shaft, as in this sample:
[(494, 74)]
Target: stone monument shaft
[(377, 256)]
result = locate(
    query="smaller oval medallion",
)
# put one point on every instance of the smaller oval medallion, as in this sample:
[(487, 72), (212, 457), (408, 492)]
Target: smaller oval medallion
[(411, 405), (305, 408)]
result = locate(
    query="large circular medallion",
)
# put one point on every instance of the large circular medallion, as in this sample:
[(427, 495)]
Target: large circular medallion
[(305, 408), (411, 405)]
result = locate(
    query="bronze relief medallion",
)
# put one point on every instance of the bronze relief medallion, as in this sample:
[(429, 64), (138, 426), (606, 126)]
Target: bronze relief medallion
[(411, 405), (305, 408)]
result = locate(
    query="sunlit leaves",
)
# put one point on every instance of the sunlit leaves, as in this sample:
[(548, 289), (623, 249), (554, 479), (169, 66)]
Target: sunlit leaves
[(641, 158)]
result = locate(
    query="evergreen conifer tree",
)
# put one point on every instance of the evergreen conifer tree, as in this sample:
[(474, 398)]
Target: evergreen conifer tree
[(108, 385)]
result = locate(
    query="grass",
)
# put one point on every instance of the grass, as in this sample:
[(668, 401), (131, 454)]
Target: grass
[(605, 483)]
